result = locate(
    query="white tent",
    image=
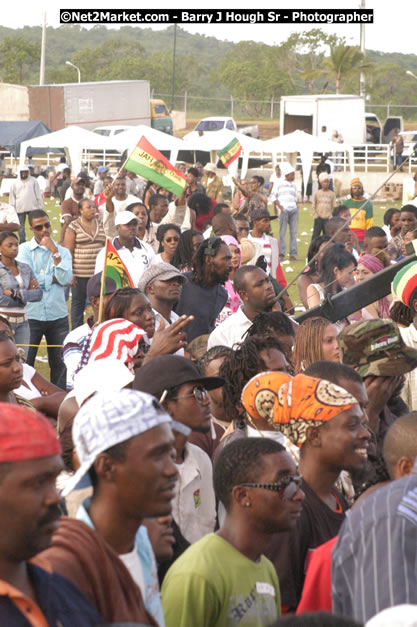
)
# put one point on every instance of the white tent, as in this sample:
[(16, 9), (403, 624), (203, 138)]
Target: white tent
[(214, 141), (306, 145), (73, 138), (161, 141)]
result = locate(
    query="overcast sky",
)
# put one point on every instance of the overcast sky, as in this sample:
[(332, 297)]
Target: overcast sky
[(393, 29)]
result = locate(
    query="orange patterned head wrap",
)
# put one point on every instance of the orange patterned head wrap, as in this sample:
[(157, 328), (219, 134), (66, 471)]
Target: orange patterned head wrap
[(260, 394), (306, 402)]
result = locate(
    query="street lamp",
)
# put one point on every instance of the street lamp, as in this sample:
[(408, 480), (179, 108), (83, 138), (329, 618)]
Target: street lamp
[(77, 68), (411, 74)]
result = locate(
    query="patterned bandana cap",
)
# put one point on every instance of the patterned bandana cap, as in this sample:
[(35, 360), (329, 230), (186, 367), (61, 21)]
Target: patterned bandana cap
[(306, 402), (107, 419), (373, 264), (117, 338), (25, 434), (260, 394), (376, 348), (405, 282)]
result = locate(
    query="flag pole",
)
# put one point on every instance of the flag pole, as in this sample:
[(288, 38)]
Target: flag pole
[(103, 283)]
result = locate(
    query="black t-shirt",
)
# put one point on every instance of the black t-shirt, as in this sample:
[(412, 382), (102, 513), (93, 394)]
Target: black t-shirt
[(204, 303), (290, 550)]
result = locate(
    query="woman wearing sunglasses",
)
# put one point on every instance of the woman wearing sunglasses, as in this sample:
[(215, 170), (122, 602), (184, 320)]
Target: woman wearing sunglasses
[(168, 236), (18, 286)]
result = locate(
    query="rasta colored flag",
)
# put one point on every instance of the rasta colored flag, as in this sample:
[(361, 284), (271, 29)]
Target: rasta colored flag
[(230, 153), (115, 269), (148, 162)]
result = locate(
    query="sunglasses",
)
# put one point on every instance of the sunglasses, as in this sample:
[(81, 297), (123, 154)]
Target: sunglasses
[(200, 394), (287, 487), (172, 239), (40, 227)]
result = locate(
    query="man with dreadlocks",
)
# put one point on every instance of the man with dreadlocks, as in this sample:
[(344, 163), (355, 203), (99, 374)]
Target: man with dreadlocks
[(254, 355), (277, 324), (203, 295)]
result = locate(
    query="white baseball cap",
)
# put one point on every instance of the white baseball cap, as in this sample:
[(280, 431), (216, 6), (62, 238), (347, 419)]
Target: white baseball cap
[(124, 217), (107, 419), (286, 168), (105, 375)]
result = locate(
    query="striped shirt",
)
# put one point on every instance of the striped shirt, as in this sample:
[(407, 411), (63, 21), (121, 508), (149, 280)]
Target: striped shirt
[(374, 560), (286, 195), (86, 247)]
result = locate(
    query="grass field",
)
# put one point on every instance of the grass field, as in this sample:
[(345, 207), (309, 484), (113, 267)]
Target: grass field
[(291, 269)]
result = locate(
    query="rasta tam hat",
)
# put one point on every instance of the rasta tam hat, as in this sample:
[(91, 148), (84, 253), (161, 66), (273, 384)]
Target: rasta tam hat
[(405, 282), (25, 434), (260, 393), (376, 348), (356, 181), (305, 402), (110, 418)]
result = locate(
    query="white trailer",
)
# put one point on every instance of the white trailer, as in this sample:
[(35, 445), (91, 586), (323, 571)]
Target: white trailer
[(342, 113)]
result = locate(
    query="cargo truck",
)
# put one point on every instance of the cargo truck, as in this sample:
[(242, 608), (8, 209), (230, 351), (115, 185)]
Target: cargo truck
[(91, 104), (337, 112)]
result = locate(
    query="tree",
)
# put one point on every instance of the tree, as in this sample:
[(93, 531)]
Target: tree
[(305, 52), (17, 57), (343, 62)]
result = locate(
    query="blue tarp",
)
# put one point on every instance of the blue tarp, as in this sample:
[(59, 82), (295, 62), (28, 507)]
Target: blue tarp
[(13, 133)]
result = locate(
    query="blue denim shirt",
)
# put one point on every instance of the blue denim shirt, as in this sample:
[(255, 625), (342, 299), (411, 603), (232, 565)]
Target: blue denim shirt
[(144, 549), (8, 282), (53, 305)]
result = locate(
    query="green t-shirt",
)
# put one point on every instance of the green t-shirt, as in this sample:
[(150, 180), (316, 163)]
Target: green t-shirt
[(212, 584)]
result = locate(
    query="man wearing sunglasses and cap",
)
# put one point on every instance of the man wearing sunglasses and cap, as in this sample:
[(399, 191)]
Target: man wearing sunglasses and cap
[(182, 391), (225, 578), (52, 266)]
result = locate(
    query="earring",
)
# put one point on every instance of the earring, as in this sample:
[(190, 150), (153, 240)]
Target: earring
[(247, 504)]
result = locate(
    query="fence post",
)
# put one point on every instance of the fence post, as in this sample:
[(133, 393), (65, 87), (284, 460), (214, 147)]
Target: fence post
[(185, 104), (272, 107), (388, 106), (231, 105)]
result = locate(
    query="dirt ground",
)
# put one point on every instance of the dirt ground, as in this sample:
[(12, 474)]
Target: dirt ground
[(267, 128)]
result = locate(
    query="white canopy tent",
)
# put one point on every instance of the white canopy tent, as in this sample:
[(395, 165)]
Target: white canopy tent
[(306, 145), (72, 138), (161, 141), (214, 141)]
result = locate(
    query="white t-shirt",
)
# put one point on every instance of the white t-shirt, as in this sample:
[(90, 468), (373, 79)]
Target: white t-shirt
[(134, 566), (264, 243)]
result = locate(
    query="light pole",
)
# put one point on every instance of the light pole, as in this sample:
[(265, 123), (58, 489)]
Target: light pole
[(411, 74), (77, 68)]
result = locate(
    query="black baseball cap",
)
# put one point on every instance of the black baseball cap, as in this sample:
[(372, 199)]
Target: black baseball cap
[(169, 371), (94, 286)]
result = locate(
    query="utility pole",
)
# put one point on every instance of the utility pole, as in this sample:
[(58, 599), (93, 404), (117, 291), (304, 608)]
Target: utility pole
[(362, 84), (43, 46), (173, 68)]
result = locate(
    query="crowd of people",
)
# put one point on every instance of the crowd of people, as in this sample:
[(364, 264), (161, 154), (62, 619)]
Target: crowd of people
[(198, 457)]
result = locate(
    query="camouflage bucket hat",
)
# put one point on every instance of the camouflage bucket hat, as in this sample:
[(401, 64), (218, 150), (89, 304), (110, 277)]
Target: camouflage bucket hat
[(376, 348)]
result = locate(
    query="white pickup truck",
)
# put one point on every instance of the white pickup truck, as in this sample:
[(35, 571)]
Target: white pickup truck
[(207, 125)]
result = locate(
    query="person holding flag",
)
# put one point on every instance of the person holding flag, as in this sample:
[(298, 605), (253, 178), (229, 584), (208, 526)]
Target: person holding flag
[(125, 252)]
